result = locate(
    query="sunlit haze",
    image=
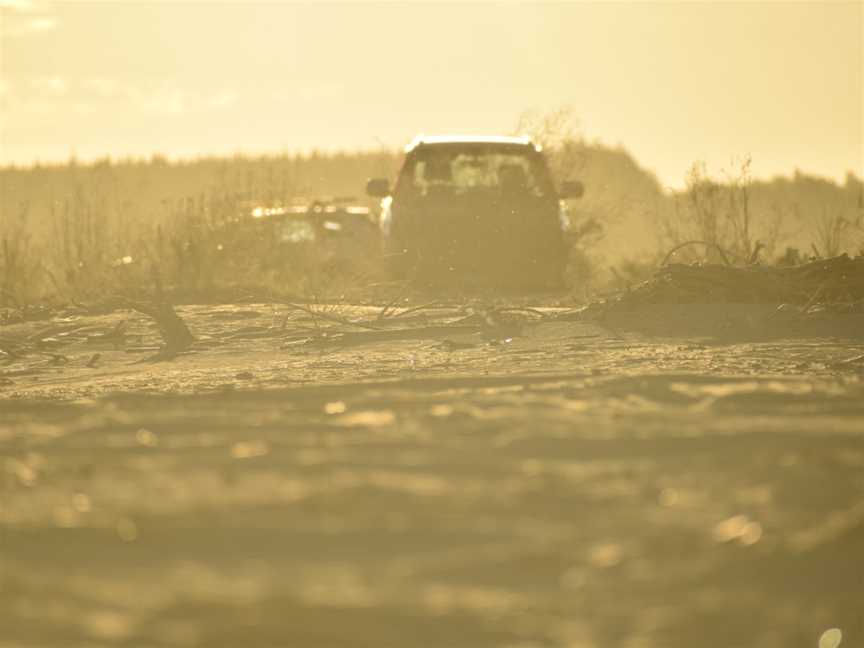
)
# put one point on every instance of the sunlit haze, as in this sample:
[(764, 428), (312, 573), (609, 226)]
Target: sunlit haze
[(672, 83), (304, 342)]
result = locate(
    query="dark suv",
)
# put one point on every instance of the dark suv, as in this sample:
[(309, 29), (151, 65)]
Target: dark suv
[(475, 210)]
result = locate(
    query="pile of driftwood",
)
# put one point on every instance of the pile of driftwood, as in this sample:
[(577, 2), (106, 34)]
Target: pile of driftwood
[(836, 280)]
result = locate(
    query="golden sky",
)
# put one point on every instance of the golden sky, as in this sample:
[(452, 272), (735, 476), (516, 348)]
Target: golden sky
[(672, 82)]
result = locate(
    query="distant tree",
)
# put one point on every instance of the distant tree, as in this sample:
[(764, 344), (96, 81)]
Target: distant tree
[(557, 131), (611, 221)]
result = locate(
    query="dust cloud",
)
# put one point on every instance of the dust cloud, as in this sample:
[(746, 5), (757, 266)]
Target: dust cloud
[(499, 387)]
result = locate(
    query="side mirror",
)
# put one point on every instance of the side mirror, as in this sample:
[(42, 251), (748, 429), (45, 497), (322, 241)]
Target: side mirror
[(572, 189), (378, 187)]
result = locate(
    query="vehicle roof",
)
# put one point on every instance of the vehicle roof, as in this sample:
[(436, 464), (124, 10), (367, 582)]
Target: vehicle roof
[(506, 140)]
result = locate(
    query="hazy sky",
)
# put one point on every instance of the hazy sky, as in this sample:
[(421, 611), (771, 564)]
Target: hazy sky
[(672, 82)]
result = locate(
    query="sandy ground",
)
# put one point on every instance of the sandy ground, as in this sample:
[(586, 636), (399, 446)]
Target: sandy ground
[(518, 480)]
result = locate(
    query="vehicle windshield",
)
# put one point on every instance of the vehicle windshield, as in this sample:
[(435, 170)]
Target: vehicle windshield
[(459, 170)]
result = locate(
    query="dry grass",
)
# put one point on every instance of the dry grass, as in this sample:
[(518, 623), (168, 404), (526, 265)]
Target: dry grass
[(79, 233), (84, 233)]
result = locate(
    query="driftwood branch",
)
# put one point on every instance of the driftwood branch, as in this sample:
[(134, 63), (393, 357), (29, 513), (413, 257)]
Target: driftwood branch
[(327, 317), (835, 280), (175, 334), (681, 246)]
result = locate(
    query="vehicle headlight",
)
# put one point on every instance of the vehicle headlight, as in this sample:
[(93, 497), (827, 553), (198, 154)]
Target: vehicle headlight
[(386, 218)]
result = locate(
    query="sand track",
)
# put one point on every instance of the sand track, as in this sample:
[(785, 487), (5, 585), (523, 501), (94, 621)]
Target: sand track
[(563, 485)]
